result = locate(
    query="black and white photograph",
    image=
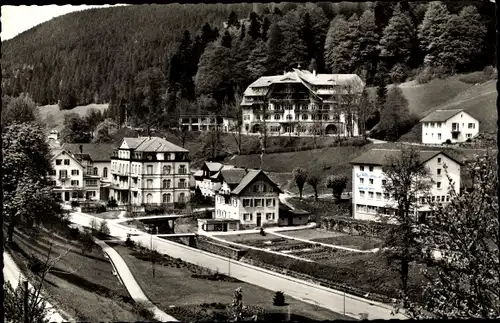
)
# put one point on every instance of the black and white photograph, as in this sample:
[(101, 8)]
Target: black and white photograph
[(242, 162)]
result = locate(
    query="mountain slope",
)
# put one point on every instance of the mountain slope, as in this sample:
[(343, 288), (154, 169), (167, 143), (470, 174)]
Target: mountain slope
[(96, 49)]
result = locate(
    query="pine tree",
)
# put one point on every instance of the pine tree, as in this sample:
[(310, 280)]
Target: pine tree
[(293, 46), (226, 40), (265, 28), (338, 48), (232, 20), (397, 38), (274, 50), (367, 44), (466, 40), (257, 60), (254, 28), (431, 30), (242, 32), (395, 116)]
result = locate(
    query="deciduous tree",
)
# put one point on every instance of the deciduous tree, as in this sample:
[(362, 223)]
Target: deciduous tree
[(75, 129), (460, 245), (300, 177), (19, 110), (406, 181), (338, 184), (395, 116), (313, 179)]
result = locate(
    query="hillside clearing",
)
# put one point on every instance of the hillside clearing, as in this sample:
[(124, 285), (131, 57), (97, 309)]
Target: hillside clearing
[(54, 118)]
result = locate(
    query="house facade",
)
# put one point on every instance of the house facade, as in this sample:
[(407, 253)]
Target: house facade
[(453, 125), (249, 196), (207, 123), (101, 159), (302, 102), (150, 171), (369, 199), (70, 179)]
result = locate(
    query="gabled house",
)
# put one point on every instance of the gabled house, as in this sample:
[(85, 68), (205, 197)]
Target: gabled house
[(248, 196), (369, 199), (69, 177), (453, 125)]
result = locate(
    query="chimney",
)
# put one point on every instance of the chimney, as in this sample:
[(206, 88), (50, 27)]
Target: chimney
[(314, 73), (81, 149)]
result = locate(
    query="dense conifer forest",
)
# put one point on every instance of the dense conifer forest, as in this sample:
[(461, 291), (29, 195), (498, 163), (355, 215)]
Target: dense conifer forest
[(151, 62)]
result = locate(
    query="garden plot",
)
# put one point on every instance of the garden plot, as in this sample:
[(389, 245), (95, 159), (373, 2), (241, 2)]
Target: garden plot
[(311, 234)]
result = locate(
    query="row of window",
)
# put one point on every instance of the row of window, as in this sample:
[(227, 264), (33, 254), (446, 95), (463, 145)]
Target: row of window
[(166, 184), (467, 135), (76, 172), (438, 125), (249, 216), (136, 169), (259, 202), (370, 209), (167, 198), (297, 117)]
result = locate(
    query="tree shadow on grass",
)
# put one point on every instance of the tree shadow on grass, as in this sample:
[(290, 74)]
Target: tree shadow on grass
[(90, 286)]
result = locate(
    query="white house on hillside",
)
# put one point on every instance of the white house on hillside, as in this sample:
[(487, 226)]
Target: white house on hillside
[(250, 197), (453, 125), (369, 200), (150, 171), (70, 179)]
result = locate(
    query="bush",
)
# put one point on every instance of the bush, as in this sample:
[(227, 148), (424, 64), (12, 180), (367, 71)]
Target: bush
[(35, 264), (101, 209), (448, 141), (104, 228), (142, 309), (129, 243), (279, 299), (112, 203), (75, 204), (87, 242)]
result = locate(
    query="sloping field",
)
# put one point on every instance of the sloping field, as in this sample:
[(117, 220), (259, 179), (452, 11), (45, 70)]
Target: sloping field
[(422, 97), (478, 100), (54, 117)]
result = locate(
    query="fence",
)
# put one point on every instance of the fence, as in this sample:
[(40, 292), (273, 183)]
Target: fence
[(356, 227)]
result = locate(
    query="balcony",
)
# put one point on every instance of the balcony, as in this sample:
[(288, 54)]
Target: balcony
[(63, 177)]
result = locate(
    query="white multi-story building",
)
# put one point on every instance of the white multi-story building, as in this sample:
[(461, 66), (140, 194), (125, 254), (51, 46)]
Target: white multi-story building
[(70, 178), (207, 123), (303, 102), (150, 171), (369, 199), (453, 125), (249, 196)]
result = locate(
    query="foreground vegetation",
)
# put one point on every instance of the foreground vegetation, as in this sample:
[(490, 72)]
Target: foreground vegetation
[(81, 283)]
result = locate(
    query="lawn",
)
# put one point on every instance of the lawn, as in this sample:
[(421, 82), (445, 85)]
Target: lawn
[(177, 292), (312, 234), (248, 237), (81, 285), (354, 242)]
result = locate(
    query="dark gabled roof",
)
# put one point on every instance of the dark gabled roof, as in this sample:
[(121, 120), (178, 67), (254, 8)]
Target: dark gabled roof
[(379, 156), (212, 166), (153, 144), (98, 152), (441, 115), (232, 176), (249, 178)]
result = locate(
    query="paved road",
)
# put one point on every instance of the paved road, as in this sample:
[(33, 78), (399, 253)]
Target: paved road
[(131, 284), (299, 289), (13, 275)]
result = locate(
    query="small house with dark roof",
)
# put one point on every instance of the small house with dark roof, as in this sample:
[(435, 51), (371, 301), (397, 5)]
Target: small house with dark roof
[(248, 196), (371, 202), (448, 126), (150, 171), (207, 179), (100, 156)]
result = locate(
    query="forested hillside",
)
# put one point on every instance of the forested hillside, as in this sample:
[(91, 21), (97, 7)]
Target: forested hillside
[(152, 61)]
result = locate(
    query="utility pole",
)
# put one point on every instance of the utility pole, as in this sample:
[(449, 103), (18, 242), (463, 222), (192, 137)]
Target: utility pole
[(26, 299), (344, 302)]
